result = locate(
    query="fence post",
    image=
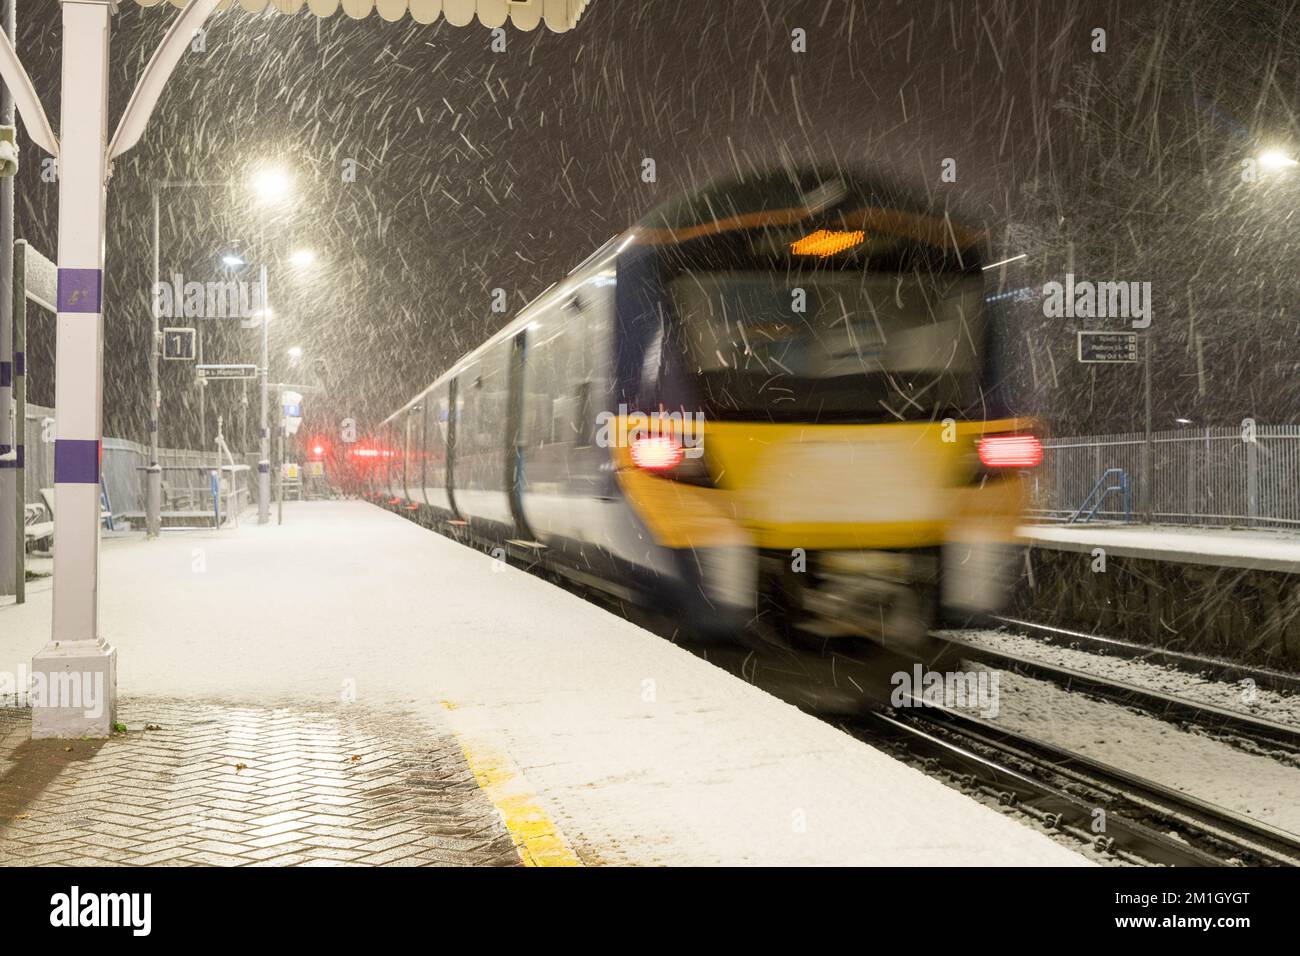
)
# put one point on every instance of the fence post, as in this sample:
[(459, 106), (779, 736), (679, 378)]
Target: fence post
[(1252, 480)]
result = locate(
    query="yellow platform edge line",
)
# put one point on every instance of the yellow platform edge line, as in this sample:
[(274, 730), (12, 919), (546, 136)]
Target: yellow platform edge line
[(535, 835)]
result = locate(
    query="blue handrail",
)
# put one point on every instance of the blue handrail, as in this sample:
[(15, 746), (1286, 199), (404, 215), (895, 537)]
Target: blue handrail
[(1100, 492)]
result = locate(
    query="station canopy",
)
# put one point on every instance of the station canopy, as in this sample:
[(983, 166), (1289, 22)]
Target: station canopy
[(559, 15)]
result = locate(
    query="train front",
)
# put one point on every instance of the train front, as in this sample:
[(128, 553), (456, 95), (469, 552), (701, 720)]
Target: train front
[(811, 372)]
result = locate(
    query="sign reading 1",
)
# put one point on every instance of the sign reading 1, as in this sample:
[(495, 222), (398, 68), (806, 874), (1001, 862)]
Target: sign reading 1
[(178, 345)]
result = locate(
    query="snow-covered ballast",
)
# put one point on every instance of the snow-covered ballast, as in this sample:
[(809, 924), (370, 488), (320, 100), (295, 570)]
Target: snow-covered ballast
[(558, 15)]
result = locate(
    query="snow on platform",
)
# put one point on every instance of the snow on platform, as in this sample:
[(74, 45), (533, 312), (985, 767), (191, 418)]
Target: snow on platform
[(636, 750), (1218, 547)]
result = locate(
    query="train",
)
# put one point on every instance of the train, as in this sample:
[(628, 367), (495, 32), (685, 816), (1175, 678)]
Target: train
[(779, 404)]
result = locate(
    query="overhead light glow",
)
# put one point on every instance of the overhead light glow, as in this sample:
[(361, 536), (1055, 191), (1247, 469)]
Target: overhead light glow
[(271, 184), (302, 257), (1275, 159), (232, 260), (826, 242)]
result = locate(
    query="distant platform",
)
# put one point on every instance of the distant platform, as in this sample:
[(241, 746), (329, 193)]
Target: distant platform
[(595, 741), (1257, 550)]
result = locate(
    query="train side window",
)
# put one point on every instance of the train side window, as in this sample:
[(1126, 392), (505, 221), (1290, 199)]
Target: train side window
[(578, 330), (584, 425)]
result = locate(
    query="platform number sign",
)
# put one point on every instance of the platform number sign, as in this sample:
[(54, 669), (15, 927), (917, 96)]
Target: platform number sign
[(178, 345)]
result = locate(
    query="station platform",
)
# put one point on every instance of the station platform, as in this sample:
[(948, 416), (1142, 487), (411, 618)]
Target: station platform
[(1248, 549), (352, 688)]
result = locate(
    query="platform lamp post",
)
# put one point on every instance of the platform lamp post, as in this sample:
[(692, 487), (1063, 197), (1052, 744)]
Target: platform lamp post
[(78, 669), (271, 185), (264, 447)]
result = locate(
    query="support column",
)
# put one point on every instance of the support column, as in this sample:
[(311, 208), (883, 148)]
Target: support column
[(75, 675), (264, 462), (20, 409), (11, 426), (153, 490)]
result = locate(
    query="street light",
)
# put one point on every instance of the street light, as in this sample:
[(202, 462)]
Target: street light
[(1276, 160), (271, 185), (295, 354), (302, 258)]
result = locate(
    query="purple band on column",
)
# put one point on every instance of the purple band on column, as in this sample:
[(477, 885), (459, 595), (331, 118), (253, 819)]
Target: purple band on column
[(79, 290), (76, 461), (16, 463), (263, 467), (20, 364), (6, 374)]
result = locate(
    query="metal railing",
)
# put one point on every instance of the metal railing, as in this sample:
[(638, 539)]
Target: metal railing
[(122, 467), (1112, 481), (1201, 476)]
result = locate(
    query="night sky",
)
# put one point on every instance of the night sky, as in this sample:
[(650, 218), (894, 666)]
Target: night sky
[(478, 170)]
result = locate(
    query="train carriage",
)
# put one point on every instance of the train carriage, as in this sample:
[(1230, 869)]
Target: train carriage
[(777, 399)]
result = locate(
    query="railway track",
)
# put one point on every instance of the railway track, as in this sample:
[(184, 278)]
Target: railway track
[(1217, 668), (1140, 820), (1222, 721)]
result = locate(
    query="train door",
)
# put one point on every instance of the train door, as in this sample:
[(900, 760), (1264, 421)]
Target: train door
[(481, 436), (435, 419), (564, 390)]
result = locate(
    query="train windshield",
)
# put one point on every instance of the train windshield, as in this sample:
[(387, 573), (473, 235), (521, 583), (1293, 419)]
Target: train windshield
[(832, 346)]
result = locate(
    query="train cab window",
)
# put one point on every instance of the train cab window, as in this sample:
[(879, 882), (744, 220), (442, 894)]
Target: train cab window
[(865, 347)]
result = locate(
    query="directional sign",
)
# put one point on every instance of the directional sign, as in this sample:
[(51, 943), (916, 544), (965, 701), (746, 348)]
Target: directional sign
[(227, 371), (178, 345), (291, 403), (1108, 347)]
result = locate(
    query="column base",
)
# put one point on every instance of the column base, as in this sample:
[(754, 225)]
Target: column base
[(74, 689), (263, 492), (153, 502)]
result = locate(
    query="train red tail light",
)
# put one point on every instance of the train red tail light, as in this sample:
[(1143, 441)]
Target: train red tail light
[(657, 452), (1010, 451)]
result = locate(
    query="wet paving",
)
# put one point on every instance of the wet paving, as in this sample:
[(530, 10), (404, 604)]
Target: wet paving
[(212, 784)]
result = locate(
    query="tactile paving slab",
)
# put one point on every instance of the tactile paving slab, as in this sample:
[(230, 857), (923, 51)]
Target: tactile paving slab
[(206, 783)]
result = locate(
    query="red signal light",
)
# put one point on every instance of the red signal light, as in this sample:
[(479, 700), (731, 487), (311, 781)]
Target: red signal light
[(657, 452), (1010, 451)]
